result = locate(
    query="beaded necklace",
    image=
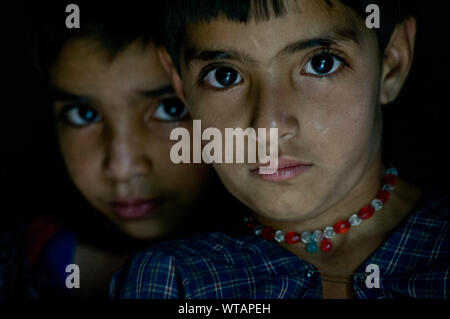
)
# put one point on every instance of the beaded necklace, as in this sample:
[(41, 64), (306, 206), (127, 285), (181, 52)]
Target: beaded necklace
[(312, 239)]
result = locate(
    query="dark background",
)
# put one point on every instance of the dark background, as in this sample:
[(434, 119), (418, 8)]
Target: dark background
[(32, 176)]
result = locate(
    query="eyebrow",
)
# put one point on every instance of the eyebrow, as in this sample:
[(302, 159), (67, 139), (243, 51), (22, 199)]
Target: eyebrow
[(193, 53), (340, 36), (58, 94), (158, 92)]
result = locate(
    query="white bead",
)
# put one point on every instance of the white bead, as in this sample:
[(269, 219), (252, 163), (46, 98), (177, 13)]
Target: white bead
[(392, 171), (258, 230), (377, 204), (279, 236), (354, 220), (305, 237), (387, 187), (329, 232), (317, 235)]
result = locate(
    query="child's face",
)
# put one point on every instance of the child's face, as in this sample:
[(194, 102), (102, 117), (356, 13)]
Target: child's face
[(113, 121), (315, 75)]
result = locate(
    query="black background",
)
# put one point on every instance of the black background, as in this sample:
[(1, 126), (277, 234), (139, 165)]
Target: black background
[(32, 176)]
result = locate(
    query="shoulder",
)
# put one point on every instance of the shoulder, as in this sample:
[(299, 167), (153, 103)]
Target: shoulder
[(414, 259), (429, 220), (433, 205), (152, 271), (213, 265), (425, 230), (218, 247)]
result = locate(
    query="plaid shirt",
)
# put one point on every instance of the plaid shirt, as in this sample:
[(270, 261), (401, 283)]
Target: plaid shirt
[(413, 263)]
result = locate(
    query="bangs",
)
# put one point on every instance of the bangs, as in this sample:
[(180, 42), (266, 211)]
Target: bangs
[(179, 13), (261, 10), (233, 10)]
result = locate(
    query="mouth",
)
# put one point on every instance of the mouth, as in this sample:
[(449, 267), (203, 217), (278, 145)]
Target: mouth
[(287, 170), (134, 208)]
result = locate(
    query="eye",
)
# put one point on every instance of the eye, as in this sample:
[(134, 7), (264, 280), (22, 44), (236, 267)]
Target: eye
[(322, 65), (170, 110), (222, 77), (81, 115)]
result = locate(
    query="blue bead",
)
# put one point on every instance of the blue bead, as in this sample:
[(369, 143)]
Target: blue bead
[(392, 171), (312, 247)]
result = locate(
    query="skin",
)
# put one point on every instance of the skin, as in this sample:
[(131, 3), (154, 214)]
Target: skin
[(332, 121), (123, 153)]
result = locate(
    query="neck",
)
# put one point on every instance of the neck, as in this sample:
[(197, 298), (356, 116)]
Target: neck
[(352, 248), (355, 246), (361, 194)]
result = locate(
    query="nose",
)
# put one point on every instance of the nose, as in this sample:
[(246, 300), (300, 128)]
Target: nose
[(126, 156), (272, 108)]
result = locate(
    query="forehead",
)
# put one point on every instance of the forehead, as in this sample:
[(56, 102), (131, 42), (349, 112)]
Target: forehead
[(84, 66), (303, 19)]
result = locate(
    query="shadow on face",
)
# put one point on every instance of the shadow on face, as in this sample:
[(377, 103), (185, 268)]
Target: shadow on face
[(114, 117)]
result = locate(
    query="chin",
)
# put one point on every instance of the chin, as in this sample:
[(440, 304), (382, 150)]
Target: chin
[(283, 208), (141, 231), (138, 235), (271, 209)]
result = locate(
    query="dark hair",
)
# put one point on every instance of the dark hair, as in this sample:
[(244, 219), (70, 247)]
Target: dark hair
[(114, 26), (179, 13)]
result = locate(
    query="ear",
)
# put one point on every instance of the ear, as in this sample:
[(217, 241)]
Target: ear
[(169, 66), (397, 60)]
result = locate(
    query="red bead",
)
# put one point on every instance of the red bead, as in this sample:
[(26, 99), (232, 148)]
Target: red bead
[(383, 196), (326, 245), (366, 212), (292, 237), (268, 233), (390, 179), (342, 227), (250, 225)]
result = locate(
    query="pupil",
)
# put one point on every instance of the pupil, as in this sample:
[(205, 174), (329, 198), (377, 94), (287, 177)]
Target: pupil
[(322, 64), (174, 107), (226, 76), (87, 114)]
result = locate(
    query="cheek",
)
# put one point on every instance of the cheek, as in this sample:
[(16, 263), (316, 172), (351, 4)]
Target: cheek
[(187, 184), (160, 131), (188, 180), (184, 179), (218, 109), (345, 121), (233, 177), (83, 161)]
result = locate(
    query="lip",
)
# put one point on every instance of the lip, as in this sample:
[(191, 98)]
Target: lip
[(287, 169), (134, 208)]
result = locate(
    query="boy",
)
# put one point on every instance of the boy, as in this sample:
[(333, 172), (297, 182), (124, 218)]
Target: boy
[(313, 70)]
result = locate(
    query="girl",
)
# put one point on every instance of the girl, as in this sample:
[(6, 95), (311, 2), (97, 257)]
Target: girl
[(114, 109)]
